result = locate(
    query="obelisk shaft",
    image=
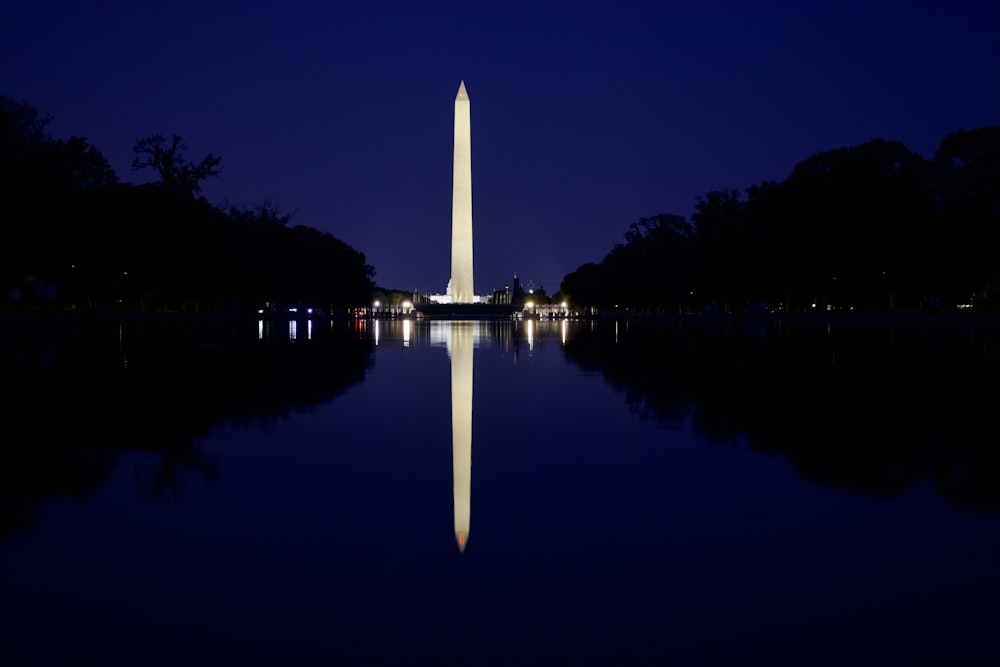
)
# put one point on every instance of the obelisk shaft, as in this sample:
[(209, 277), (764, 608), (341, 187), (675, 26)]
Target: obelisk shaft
[(461, 203)]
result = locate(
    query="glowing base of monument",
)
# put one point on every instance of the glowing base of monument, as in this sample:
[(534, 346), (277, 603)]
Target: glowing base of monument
[(446, 298)]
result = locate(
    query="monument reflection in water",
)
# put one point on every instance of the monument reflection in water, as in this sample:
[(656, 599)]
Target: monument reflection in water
[(459, 338), (460, 343)]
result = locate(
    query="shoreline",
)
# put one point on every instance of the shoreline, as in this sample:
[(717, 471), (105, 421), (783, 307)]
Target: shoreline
[(844, 318)]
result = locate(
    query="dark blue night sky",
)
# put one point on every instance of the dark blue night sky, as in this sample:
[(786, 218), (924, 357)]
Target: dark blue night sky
[(585, 115)]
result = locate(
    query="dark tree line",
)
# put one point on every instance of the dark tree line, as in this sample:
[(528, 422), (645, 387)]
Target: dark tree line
[(73, 235), (873, 227)]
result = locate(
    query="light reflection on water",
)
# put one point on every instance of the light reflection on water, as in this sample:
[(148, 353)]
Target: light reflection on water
[(264, 329)]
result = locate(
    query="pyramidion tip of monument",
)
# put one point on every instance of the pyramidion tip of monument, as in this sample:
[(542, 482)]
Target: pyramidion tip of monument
[(462, 94)]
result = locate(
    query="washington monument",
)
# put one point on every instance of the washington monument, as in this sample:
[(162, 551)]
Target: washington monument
[(461, 204)]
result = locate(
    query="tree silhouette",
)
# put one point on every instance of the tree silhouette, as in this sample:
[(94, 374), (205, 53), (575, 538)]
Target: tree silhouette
[(176, 174), (267, 212), (967, 185), (871, 227), (69, 238), (44, 185), (21, 123)]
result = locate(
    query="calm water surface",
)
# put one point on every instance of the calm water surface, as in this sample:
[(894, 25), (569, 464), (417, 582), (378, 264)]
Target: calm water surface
[(499, 493)]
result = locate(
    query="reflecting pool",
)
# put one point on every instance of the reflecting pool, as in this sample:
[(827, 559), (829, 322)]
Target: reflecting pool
[(538, 492)]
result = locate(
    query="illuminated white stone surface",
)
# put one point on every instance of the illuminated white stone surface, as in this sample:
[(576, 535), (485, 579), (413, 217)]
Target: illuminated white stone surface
[(460, 345), (461, 204)]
